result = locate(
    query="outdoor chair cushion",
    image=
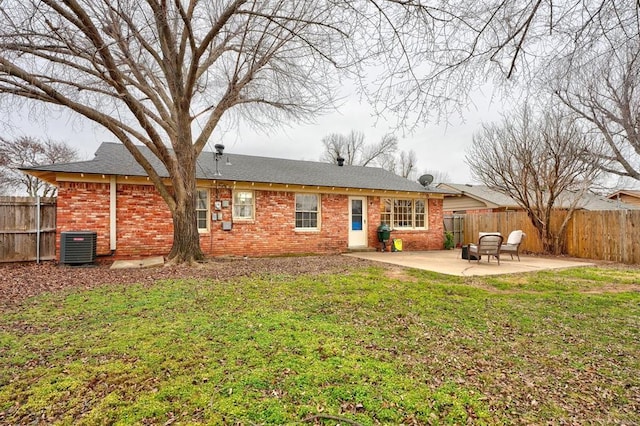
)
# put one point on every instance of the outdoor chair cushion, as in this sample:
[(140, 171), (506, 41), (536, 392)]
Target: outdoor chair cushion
[(488, 245), (515, 237), (513, 243)]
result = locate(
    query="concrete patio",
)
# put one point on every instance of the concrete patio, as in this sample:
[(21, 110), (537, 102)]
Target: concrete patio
[(450, 262)]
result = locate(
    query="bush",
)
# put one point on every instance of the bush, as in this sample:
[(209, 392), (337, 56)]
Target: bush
[(448, 241)]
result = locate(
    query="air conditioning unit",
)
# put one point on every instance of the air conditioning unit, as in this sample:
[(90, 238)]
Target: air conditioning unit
[(78, 247)]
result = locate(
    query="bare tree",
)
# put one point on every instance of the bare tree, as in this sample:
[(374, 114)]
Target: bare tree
[(387, 146), (355, 151), (463, 44), (27, 151), (605, 93), (164, 74), (407, 162), (349, 147), (537, 161)]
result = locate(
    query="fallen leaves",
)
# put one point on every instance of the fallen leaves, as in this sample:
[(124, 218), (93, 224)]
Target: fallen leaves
[(20, 281)]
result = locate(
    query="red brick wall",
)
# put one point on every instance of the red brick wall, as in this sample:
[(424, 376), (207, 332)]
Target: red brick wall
[(83, 206), (144, 224), (432, 238), (145, 227), (273, 230)]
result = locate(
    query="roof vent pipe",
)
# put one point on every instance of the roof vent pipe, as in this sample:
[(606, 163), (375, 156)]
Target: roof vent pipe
[(340, 161)]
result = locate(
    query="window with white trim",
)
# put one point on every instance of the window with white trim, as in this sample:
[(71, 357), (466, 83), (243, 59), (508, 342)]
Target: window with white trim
[(307, 211), (243, 206), (202, 209), (403, 213)]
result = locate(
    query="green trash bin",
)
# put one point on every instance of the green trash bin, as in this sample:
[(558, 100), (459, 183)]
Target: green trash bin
[(384, 235)]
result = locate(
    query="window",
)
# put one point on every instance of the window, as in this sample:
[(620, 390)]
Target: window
[(386, 211), (419, 214), (307, 211), (243, 205), (403, 213), (202, 209)]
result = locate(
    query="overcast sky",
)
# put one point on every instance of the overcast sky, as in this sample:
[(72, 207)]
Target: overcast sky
[(439, 147)]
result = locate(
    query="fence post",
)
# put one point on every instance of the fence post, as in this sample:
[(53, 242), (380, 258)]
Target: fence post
[(38, 229)]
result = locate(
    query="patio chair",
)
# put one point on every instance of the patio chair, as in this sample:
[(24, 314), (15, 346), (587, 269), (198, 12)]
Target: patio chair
[(513, 244), (488, 245)]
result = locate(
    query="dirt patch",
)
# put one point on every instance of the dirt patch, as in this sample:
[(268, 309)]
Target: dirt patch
[(614, 288), (398, 273), (21, 281)]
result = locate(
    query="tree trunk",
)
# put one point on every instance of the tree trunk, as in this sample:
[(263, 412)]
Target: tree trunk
[(548, 246), (542, 226), (186, 240)]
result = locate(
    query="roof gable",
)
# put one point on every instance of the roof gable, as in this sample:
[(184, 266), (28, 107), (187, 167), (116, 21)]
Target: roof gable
[(628, 192)]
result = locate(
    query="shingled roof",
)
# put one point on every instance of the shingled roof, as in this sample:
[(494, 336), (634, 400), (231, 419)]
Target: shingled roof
[(493, 198), (115, 159), (487, 195)]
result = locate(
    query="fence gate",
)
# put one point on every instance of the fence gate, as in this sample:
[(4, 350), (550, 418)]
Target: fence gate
[(455, 225), (27, 229)]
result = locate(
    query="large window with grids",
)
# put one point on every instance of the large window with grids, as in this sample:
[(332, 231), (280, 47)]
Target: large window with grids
[(243, 205), (403, 213), (307, 211), (202, 209)]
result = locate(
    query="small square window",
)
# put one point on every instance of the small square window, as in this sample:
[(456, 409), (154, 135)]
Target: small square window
[(243, 206), (307, 208)]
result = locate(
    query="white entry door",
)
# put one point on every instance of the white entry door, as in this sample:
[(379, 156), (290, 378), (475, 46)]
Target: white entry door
[(357, 221)]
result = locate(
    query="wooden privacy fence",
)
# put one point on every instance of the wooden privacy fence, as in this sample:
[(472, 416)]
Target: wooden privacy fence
[(27, 229), (455, 225), (612, 235), (609, 235)]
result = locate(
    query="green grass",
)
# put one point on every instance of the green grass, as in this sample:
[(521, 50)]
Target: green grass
[(550, 347)]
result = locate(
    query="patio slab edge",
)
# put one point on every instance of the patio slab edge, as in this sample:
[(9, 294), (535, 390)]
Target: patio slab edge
[(450, 262)]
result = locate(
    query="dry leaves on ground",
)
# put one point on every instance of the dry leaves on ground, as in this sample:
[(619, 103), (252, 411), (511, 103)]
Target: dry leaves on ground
[(21, 281)]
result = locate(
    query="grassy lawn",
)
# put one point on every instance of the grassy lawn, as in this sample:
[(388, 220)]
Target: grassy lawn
[(364, 348)]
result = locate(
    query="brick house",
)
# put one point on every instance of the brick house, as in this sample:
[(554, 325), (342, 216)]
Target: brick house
[(246, 205)]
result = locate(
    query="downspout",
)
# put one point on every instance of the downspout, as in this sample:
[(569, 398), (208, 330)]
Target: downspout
[(37, 229), (112, 214)]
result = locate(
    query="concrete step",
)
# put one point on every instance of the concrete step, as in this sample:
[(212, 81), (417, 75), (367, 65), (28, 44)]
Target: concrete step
[(360, 249)]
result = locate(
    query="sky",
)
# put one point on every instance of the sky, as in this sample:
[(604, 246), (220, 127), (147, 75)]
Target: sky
[(438, 146)]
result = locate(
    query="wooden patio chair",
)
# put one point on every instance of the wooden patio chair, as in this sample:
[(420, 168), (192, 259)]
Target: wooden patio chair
[(513, 244), (488, 245)]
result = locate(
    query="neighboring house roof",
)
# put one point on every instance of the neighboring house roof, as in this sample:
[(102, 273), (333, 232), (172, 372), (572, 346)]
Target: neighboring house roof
[(495, 199), (629, 196), (115, 159), (489, 197), (632, 192), (590, 201)]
